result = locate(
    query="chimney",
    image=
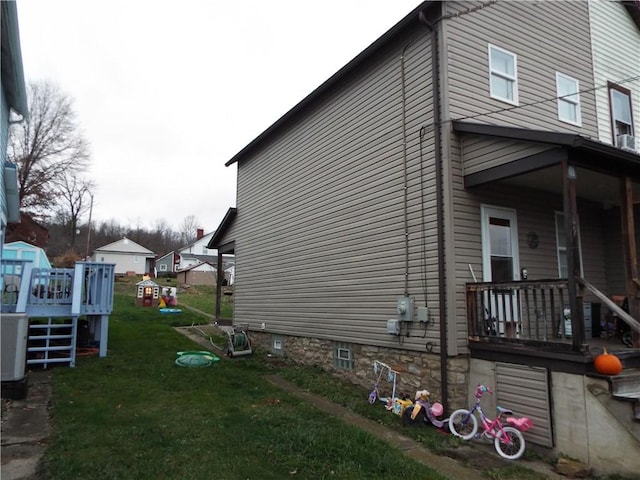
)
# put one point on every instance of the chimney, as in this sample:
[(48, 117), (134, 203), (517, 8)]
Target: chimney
[(199, 234)]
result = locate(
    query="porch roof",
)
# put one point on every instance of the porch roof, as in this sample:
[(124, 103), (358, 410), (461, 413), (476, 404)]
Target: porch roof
[(580, 150)]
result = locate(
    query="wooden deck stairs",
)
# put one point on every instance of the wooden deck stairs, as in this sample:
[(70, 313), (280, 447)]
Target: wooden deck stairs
[(55, 300)]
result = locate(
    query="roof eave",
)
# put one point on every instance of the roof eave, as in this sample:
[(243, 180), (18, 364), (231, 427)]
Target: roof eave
[(11, 59), (408, 20)]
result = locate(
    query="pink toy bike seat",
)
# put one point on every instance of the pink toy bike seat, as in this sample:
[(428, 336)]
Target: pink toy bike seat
[(523, 423)]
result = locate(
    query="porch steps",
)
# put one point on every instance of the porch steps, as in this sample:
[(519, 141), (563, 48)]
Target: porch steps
[(52, 342), (626, 387)]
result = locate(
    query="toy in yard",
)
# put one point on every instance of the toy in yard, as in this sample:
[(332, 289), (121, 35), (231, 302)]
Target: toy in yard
[(169, 310), (507, 439), (238, 343), (382, 370), (196, 358), (423, 411)]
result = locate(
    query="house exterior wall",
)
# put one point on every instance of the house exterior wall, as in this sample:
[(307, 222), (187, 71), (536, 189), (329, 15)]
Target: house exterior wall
[(164, 266), (614, 60), (124, 262), (584, 419), (533, 31), (195, 277), (467, 94), (329, 195), (199, 247), (479, 153)]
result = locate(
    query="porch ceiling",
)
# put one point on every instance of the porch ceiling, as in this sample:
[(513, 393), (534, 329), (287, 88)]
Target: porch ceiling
[(590, 185), (599, 166)]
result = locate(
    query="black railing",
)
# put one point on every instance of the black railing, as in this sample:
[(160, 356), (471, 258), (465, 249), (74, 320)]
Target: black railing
[(523, 310)]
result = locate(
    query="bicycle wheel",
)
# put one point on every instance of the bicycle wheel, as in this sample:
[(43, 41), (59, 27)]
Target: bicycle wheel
[(463, 424), (509, 443), (412, 422)]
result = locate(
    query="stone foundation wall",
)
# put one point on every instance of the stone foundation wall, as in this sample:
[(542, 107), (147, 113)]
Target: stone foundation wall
[(417, 370)]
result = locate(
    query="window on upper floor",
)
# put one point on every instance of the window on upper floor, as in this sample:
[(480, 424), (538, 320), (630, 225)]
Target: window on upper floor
[(621, 112), (503, 75), (568, 99)]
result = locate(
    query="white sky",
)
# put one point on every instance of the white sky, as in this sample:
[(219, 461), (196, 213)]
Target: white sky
[(166, 91)]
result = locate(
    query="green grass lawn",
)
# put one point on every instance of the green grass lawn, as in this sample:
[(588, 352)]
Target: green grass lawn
[(136, 415)]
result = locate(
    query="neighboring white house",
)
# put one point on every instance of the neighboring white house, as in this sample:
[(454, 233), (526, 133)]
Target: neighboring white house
[(196, 252), (127, 255)]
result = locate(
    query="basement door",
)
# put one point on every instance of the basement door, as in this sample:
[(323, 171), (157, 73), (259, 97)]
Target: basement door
[(525, 390), (500, 263)]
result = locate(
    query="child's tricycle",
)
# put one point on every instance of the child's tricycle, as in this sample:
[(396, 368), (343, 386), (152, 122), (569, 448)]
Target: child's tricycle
[(423, 411)]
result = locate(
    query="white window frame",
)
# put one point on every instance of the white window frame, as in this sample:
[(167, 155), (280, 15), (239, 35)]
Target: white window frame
[(572, 100), (513, 79), (616, 117), (559, 217)]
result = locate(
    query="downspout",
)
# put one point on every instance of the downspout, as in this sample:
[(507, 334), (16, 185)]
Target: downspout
[(442, 297)]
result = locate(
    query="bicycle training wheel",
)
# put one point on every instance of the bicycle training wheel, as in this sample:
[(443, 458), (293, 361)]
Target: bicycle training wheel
[(509, 443), (463, 424), (412, 422)]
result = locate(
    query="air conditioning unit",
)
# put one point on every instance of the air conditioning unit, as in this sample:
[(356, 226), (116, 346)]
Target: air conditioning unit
[(14, 329), (628, 142)]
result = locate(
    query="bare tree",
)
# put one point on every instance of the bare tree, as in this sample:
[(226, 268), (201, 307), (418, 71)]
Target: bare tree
[(188, 229), (46, 146), (73, 202)]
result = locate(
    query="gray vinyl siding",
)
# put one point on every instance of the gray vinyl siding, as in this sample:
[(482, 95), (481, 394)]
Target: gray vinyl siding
[(320, 236), (614, 254), (535, 212), (546, 37), (480, 153), (229, 233)]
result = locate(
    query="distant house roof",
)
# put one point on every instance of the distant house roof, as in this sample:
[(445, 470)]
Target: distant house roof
[(126, 246), (11, 59), (198, 266)]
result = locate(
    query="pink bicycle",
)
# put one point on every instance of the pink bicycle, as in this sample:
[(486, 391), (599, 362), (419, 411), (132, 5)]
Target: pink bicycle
[(507, 439)]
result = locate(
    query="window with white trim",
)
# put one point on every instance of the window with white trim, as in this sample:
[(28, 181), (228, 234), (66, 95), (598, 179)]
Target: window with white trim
[(561, 245), (163, 267), (568, 89), (503, 75), (621, 112)]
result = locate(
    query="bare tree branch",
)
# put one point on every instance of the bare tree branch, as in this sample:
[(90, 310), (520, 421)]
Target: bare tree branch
[(47, 146)]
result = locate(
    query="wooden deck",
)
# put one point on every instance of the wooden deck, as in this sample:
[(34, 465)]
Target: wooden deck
[(54, 300)]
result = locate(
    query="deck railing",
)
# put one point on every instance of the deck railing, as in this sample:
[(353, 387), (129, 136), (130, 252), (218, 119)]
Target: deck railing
[(522, 310), (86, 289)]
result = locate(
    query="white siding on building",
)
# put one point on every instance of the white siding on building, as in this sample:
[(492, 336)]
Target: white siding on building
[(614, 60)]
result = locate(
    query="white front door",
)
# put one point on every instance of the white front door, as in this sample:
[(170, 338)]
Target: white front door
[(500, 263)]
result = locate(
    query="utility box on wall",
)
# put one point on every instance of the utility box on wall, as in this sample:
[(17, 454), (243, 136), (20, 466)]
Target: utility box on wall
[(405, 307), (14, 330), (393, 327)]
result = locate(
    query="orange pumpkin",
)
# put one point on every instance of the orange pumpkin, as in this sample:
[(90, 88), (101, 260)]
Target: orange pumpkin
[(607, 363)]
